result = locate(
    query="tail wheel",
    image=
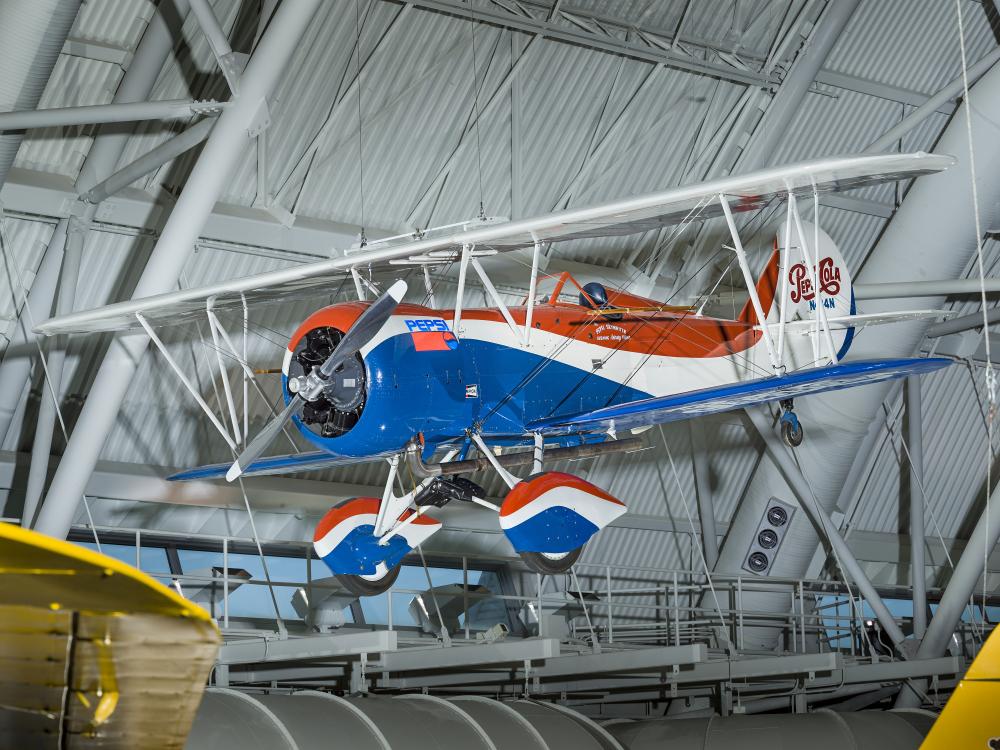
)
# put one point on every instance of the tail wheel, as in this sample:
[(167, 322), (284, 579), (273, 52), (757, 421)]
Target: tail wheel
[(792, 432), (372, 585), (550, 564)]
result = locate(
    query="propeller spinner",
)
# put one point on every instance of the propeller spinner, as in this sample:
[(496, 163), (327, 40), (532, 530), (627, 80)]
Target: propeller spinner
[(310, 387)]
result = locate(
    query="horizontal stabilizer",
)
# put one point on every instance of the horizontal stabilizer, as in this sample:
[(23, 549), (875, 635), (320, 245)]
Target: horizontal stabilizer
[(288, 464), (734, 396), (860, 321)]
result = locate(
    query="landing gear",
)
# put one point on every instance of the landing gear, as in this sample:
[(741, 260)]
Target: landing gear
[(791, 429), (549, 563), (372, 585)]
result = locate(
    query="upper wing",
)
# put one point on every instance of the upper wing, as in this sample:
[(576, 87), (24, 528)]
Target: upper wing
[(637, 214), (725, 398)]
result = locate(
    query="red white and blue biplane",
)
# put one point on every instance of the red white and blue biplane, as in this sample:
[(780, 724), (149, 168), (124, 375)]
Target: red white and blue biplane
[(566, 373)]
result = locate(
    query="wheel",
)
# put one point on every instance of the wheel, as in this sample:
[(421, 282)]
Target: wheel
[(792, 432), (370, 585), (550, 564)]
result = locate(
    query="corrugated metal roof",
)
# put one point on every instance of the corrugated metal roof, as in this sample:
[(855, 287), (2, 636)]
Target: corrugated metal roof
[(416, 102)]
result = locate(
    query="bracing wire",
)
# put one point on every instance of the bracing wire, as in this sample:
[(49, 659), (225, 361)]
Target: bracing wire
[(475, 113), (583, 603), (824, 522), (694, 536), (930, 512), (991, 381), (361, 149), (246, 498), (12, 266)]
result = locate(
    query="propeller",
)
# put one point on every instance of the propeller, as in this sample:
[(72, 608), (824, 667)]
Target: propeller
[(310, 387)]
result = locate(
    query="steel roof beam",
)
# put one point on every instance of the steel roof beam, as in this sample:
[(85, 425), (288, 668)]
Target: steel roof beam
[(932, 105), (594, 40), (32, 33), (97, 114), (660, 46), (174, 247), (217, 41), (151, 160), (37, 195)]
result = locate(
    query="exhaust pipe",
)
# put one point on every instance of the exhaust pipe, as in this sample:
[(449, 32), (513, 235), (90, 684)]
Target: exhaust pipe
[(422, 470)]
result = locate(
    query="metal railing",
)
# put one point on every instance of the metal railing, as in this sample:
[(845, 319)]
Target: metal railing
[(600, 604)]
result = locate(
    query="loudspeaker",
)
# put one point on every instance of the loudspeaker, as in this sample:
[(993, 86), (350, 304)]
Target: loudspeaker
[(767, 539)]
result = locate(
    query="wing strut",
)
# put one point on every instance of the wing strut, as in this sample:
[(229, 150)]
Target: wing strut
[(492, 290), (429, 287), (813, 263), (758, 308), (532, 288), (185, 380), (463, 267), (784, 263), (230, 401)]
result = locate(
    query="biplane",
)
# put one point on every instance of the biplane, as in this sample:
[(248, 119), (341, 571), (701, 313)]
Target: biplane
[(568, 372)]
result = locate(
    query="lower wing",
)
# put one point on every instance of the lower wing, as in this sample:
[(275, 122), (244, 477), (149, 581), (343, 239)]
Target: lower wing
[(287, 464), (734, 396)]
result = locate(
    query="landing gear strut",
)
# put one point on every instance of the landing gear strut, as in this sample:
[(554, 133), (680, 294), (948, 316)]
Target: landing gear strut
[(791, 429)]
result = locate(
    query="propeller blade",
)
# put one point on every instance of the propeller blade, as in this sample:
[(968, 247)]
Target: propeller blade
[(263, 439), (364, 329)]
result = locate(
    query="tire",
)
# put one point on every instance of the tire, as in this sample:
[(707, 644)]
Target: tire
[(548, 565), (792, 434), (364, 586)]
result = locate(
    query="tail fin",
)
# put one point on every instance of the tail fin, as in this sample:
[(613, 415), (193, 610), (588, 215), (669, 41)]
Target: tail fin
[(794, 284)]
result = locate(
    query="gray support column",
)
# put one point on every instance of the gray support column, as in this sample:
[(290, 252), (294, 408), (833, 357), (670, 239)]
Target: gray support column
[(706, 504), (96, 114), (16, 367), (785, 461), (32, 34), (224, 147), (773, 126), (52, 385), (771, 129), (137, 84), (928, 108), (152, 159), (936, 214), (915, 448), (962, 585)]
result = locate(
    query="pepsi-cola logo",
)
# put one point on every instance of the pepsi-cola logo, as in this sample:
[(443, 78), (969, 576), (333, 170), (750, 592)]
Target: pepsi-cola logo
[(801, 280), (426, 325)]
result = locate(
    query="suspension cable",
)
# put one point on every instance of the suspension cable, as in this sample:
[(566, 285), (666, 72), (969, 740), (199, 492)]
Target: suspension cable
[(11, 265), (361, 150), (991, 381), (694, 536), (475, 112)]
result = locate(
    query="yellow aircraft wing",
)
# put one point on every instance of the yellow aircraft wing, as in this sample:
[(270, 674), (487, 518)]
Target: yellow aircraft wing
[(969, 718), (94, 653)]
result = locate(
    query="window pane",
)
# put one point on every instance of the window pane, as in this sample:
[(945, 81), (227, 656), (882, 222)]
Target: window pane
[(251, 598), (151, 559), (406, 608)]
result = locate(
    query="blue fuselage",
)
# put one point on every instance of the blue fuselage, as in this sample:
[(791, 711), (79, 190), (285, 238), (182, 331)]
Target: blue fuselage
[(479, 385)]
